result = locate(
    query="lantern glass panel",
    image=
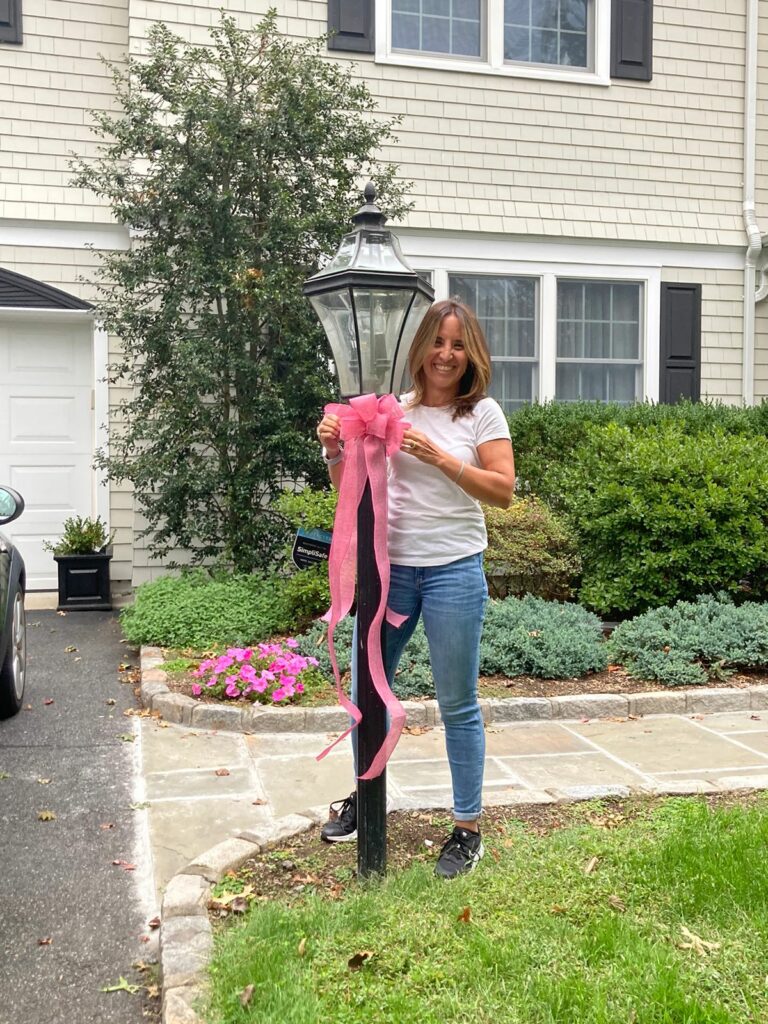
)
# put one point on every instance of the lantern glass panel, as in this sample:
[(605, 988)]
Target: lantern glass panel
[(335, 312), (379, 250), (416, 314), (380, 318)]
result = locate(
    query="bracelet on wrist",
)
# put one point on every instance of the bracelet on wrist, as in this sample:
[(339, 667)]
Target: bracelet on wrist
[(333, 460), (462, 467)]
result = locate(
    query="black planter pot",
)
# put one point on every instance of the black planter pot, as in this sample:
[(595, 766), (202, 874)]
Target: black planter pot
[(84, 582)]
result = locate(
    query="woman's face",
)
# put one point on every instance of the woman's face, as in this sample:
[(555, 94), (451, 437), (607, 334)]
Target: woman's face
[(446, 364)]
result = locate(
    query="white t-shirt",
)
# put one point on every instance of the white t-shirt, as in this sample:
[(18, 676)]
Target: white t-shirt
[(432, 521)]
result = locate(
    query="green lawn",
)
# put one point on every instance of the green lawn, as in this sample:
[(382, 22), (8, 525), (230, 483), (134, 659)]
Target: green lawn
[(668, 926)]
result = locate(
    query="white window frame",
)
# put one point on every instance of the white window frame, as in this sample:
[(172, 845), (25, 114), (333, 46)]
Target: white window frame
[(649, 278), (493, 19)]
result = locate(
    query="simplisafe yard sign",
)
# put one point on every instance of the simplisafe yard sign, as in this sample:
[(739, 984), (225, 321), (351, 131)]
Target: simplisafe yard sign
[(311, 547)]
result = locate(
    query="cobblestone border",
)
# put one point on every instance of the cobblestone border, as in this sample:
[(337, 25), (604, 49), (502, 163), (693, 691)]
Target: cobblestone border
[(183, 710)]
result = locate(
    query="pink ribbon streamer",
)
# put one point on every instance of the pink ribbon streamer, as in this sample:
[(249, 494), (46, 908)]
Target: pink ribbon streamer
[(371, 428)]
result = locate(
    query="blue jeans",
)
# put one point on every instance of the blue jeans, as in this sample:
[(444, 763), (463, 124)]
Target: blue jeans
[(451, 601)]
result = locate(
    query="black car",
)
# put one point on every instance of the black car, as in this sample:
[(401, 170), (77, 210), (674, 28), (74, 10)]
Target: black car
[(13, 625)]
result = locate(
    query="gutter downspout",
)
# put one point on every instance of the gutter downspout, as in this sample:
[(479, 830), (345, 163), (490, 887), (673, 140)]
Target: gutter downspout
[(754, 239)]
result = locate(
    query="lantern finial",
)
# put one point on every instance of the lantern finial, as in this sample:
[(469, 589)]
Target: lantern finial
[(369, 215)]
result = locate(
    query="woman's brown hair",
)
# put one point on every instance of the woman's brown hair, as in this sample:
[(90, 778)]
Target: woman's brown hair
[(474, 384)]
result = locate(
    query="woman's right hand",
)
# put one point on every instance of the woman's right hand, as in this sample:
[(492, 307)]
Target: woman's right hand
[(328, 433)]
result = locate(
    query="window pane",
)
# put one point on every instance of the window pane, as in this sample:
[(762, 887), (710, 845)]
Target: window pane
[(570, 339), (570, 300), (491, 298), (543, 46), (573, 15), (467, 9), (517, 12), (544, 14), (573, 50), (436, 35), (521, 339), (622, 383), (466, 38), (512, 384), (405, 32), (406, 6), (597, 301), (626, 302), (597, 341), (626, 341), (441, 7), (517, 44)]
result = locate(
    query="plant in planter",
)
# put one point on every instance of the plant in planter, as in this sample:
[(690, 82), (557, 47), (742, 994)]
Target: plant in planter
[(82, 555)]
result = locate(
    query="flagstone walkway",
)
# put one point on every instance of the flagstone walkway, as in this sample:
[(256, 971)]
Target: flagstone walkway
[(203, 787)]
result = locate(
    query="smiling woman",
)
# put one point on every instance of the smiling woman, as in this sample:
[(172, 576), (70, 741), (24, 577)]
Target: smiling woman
[(455, 454), (13, 637)]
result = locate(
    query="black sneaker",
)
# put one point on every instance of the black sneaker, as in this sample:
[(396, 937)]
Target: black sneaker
[(460, 854), (341, 826)]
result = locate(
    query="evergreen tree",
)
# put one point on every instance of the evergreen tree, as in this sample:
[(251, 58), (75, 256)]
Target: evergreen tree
[(237, 166)]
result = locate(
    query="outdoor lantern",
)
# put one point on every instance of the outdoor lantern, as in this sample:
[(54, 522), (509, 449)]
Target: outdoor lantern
[(370, 303)]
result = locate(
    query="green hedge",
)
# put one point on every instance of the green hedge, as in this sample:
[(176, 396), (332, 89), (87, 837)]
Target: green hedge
[(545, 436), (664, 515)]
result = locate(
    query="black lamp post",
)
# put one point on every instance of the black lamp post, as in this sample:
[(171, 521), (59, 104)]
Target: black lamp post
[(370, 303)]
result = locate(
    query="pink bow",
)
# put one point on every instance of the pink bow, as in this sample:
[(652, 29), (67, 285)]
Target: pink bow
[(373, 428)]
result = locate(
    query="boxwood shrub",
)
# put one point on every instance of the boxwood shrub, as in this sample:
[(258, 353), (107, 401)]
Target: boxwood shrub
[(663, 515), (693, 641)]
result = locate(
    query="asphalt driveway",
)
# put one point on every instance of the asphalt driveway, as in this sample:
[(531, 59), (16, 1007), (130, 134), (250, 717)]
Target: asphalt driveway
[(75, 890)]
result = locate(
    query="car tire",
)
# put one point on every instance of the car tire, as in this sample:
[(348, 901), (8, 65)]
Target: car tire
[(13, 671)]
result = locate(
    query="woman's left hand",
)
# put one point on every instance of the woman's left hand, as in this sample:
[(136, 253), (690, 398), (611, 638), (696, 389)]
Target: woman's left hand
[(420, 447)]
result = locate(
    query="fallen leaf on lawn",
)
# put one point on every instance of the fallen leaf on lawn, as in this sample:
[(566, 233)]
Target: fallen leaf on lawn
[(111, 701), (229, 897), (141, 965), (46, 816), (613, 668), (164, 725), (617, 903), (48, 701), (465, 915), (5, 775), (755, 718), (106, 824), (302, 946), (70, 650), (78, 658), (246, 995), (591, 866), (698, 718), (696, 943), (416, 730), (121, 986), (495, 854), (154, 923), (556, 909), (258, 803), (356, 961), (222, 771), (44, 782), (616, 718), (142, 806), (47, 941), (153, 991), (124, 864), (61, 613), (128, 712), (428, 843), (633, 718), (123, 667), (239, 905), (127, 737)]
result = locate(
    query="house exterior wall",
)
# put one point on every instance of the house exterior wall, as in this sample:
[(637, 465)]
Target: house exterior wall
[(619, 174)]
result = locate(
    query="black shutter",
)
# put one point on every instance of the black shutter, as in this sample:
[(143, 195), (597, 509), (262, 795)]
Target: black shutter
[(351, 22), (10, 21), (632, 39), (680, 343)]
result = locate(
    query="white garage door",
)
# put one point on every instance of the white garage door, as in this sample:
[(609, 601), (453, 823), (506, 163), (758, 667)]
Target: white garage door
[(46, 431)]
